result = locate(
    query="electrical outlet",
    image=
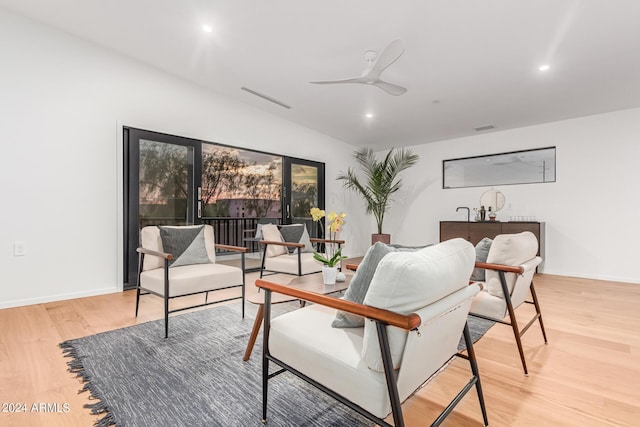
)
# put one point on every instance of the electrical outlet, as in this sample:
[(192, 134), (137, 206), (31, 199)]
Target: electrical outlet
[(19, 249)]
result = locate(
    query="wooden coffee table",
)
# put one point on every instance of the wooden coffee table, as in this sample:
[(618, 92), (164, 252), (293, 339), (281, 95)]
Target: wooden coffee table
[(310, 282)]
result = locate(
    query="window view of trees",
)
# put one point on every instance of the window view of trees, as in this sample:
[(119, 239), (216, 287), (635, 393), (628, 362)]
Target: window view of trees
[(235, 183), (165, 182), (240, 183), (304, 190)]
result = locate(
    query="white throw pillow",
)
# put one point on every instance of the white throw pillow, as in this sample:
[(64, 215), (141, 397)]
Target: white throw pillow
[(407, 281), (509, 249), (270, 232)]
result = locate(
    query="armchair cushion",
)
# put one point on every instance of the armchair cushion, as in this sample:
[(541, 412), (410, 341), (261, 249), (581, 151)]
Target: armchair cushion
[(185, 244), (482, 251), (406, 282), (333, 351), (362, 279), (296, 233), (512, 250), (185, 280), (288, 263), (270, 232)]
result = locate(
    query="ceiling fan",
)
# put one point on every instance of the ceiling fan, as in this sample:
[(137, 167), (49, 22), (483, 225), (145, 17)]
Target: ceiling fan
[(375, 66)]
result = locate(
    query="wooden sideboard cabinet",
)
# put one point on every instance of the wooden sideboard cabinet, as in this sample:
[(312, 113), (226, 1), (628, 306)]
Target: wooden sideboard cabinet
[(476, 231)]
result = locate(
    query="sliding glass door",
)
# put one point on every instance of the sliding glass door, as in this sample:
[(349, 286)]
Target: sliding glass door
[(162, 178), (171, 180), (304, 183)]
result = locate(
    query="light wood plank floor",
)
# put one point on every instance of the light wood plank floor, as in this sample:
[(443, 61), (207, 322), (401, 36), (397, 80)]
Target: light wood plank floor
[(588, 375)]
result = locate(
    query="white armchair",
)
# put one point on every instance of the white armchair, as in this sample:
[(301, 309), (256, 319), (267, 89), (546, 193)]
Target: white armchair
[(290, 257), (176, 261), (511, 264), (416, 309)]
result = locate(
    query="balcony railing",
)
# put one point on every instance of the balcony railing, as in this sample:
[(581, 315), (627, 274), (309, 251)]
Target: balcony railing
[(231, 231)]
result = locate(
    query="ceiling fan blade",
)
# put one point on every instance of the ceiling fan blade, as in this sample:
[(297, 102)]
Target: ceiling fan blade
[(390, 88), (389, 55), (331, 82), (371, 76)]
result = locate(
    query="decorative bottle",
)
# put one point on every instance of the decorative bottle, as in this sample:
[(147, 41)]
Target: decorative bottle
[(491, 215), (482, 213)]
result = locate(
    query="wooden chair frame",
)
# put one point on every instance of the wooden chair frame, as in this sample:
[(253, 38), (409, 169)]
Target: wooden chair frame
[(513, 322)]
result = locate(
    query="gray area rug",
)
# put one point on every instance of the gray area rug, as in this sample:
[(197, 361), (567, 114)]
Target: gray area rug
[(197, 377)]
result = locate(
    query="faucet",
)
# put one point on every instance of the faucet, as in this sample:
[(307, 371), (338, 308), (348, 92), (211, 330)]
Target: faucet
[(468, 211)]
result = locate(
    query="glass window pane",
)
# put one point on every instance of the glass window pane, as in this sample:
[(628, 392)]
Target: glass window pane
[(240, 183), (517, 167), (166, 182), (304, 190)]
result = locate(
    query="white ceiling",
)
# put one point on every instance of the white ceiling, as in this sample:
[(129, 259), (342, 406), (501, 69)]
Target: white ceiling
[(467, 63)]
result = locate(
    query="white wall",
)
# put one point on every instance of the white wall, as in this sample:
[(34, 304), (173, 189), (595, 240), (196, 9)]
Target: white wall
[(591, 211), (63, 103)]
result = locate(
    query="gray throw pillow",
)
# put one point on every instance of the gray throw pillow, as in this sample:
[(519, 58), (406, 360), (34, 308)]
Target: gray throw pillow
[(186, 244), (361, 280), (296, 233), (482, 251), (259, 232)]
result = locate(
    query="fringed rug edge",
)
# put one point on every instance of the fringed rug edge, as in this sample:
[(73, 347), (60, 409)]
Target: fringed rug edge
[(75, 366)]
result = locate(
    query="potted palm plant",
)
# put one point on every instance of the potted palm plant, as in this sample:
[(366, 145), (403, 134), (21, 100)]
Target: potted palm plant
[(379, 183)]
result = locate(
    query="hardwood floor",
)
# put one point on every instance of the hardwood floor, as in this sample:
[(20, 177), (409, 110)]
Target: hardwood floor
[(587, 375)]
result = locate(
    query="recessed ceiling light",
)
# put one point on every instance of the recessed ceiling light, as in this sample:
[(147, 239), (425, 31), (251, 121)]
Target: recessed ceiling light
[(207, 28), (544, 67), (369, 115)]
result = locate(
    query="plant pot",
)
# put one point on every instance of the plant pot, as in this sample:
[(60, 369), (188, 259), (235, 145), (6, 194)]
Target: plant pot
[(384, 238), (329, 275)]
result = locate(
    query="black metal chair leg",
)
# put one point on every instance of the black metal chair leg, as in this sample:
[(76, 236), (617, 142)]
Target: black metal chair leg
[(265, 351), (166, 298), (265, 385), (474, 369), (137, 300), (264, 256), (166, 316), (140, 264), (243, 282), (392, 388)]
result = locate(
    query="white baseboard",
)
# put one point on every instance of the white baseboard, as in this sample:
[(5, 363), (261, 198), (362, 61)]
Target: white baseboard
[(604, 277), (59, 297)]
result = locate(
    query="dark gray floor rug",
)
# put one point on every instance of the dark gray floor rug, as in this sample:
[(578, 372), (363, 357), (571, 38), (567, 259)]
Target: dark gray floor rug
[(196, 377)]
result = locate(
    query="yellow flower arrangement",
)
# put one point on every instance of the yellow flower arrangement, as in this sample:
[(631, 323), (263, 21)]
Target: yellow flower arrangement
[(334, 224), (317, 214)]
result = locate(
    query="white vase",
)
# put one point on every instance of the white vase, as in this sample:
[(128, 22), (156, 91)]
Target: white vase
[(329, 275)]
